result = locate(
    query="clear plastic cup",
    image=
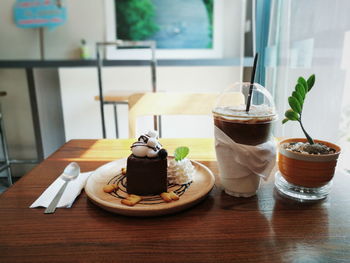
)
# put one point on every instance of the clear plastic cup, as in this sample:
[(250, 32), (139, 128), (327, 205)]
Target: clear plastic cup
[(248, 132)]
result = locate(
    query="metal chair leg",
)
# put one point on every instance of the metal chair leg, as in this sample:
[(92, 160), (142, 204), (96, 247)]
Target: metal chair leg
[(160, 126), (116, 120)]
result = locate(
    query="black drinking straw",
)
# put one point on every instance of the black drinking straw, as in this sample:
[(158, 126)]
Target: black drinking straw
[(252, 82)]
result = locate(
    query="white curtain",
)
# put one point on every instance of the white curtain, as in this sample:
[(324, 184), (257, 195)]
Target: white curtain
[(306, 37)]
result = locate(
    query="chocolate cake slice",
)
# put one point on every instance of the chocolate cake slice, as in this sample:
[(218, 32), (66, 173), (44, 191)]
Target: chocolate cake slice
[(146, 176), (146, 168)]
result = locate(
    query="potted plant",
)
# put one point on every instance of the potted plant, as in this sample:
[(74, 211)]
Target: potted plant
[(306, 166)]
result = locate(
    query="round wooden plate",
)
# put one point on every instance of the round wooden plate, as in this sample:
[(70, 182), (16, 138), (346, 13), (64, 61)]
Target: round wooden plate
[(190, 194)]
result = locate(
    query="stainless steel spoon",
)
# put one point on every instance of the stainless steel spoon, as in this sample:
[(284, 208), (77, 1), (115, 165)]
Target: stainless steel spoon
[(70, 173)]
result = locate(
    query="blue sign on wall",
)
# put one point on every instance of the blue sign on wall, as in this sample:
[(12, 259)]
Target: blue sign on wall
[(39, 13)]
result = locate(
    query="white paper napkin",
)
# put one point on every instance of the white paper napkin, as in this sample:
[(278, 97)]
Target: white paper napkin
[(72, 191), (244, 160)]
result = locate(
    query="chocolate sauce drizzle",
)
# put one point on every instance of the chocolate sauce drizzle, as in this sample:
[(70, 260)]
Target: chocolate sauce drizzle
[(121, 192), (143, 138)]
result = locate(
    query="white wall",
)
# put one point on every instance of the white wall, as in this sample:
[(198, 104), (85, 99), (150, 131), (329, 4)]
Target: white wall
[(85, 20), (16, 43), (17, 115), (82, 113)]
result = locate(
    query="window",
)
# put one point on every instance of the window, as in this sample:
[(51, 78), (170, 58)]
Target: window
[(183, 29)]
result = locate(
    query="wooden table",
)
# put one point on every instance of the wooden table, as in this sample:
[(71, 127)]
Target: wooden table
[(265, 228)]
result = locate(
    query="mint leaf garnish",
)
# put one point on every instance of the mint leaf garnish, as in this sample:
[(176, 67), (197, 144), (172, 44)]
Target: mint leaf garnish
[(181, 153)]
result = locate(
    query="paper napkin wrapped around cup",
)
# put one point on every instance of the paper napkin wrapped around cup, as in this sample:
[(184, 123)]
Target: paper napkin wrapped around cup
[(241, 166), (72, 191)]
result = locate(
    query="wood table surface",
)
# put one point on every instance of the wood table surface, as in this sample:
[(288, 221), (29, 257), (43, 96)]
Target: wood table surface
[(264, 228)]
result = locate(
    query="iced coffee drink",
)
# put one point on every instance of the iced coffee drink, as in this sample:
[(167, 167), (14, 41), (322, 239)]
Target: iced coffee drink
[(251, 128), (244, 148)]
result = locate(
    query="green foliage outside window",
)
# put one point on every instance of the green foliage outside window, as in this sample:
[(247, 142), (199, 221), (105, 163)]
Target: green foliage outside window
[(135, 19), (209, 5)]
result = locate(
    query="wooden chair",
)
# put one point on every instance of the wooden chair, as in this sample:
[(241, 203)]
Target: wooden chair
[(116, 98), (166, 103)]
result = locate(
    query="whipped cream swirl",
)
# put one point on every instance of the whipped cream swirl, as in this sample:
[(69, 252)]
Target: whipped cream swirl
[(148, 145), (180, 172)]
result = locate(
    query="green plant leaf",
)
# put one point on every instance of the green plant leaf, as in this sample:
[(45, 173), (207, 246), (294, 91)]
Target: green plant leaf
[(300, 89), (181, 153), (292, 115), (294, 104), (311, 81), (298, 97), (303, 82)]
